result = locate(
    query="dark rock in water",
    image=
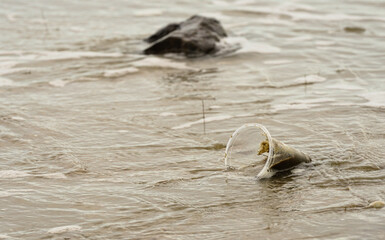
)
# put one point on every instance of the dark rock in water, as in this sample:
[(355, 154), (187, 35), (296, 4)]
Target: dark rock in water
[(197, 36)]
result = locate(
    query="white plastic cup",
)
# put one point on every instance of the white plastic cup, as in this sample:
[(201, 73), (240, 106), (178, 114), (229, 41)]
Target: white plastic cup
[(252, 146)]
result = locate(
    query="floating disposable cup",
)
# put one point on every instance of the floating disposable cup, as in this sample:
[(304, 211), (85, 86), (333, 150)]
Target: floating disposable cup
[(252, 147)]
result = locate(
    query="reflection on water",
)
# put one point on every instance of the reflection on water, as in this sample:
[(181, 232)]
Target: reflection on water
[(98, 141)]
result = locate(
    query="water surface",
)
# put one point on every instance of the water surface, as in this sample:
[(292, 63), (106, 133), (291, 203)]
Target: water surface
[(101, 142)]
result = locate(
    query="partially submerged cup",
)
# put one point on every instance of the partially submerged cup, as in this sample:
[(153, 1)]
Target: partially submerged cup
[(252, 147)]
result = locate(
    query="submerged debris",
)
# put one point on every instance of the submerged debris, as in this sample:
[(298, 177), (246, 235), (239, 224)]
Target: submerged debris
[(284, 157), (354, 29), (377, 204), (263, 147)]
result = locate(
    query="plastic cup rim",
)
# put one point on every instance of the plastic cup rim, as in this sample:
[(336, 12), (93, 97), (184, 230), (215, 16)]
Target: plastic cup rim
[(269, 138)]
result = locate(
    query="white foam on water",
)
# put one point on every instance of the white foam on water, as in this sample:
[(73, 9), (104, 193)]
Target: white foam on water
[(301, 39), (11, 17), (58, 83), (298, 170), (160, 63), (54, 176), (123, 131), (261, 9), (111, 180), (293, 6), (17, 52), (277, 62), (300, 16), (167, 114), (259, 48), (244, 2), (344, 86), (18, 118), (148, 12), (63, 229), (39, 21), (264, 173), (120, 72), (216, 15), (316, 100), (375, 99), (6, 82), (5, 194), (302, 104), (20, 56), (215, 107), (292, 106), (324, 43), (246, 46), (200, 121), (17, 70), (274, 21), (297, 16), (220, 3), (7, 65), (310, 79), (61, 55), (76, 29), (4, 236), (12, 174)]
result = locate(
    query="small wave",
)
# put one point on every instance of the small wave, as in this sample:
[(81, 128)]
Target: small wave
[(18, 118), (304, 104), (301, 39), (58, 83), (274, 21), (4, 236), (6, 71), (5, 194), (12, 174), (167, 114), (309, 79), (324, 43), (160, 63), (375, 99), (119, 72), (62, 55), (344, 86), (293, 106), (297, 16), (305, 80), (178, 180), (215, 107), (6, 82), (77, 29), (11, 17), (207, 119), (242, 45), (277, 62), (216, 15), (123, 131), (63, 229), (54, 55), (148, 12), (7, 65), (54, 176), (244, 2)]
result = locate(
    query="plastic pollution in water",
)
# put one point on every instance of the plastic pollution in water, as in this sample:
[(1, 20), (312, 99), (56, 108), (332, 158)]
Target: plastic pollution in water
[(252, 147)]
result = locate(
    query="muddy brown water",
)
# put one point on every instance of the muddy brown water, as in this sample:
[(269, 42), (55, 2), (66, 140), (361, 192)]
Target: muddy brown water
[(100, 142)]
